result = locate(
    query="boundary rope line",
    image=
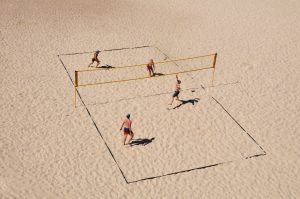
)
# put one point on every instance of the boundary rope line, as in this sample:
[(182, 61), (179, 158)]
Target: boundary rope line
[(114, 49), (89, 113), (239, 124)]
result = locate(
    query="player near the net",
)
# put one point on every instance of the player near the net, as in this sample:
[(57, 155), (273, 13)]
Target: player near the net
[(95, 59), (151, 67), (177, 90)]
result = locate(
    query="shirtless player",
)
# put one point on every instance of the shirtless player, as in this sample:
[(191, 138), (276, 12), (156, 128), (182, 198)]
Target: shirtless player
[(127, 129), (151, 67), (95, 58), (177, 90)]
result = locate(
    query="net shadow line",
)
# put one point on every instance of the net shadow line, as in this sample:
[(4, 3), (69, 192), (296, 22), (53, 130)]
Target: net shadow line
[(238, 124), (225, 84), (138, 97), (107, 50), (89, 113), (167, 57), (145, 77), (178, 172)]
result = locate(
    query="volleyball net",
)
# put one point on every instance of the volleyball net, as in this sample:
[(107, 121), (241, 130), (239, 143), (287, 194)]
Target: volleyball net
[(116, 75)]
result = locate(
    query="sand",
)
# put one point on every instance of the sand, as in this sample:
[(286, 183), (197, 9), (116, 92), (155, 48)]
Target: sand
[(236, 139)]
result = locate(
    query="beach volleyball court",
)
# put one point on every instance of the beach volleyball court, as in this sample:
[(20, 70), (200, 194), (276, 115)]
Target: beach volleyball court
[(194, 133)]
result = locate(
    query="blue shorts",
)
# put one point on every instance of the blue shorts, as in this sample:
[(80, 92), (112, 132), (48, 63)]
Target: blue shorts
[(126, 130), (176, 93)]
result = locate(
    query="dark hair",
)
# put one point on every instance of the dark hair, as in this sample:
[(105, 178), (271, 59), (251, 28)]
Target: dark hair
[(128, 115)]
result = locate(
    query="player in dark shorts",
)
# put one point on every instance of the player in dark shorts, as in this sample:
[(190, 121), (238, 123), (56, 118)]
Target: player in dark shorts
[(127, 131), (151, 67), (95, 58), (177, 90)]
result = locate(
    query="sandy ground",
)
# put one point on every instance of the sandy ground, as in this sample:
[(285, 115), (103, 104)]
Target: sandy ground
[(238, 139)]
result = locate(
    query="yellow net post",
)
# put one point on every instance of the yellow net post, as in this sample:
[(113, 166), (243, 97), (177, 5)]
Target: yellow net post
[(214, 67), (75, 86)]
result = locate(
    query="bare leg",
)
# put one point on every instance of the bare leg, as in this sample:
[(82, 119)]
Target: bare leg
[(91, 64), (124, 139), (98, 62), (172, 101), (131, 136)]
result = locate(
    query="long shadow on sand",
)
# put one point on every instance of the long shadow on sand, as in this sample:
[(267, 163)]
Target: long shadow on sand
[(158, 74), (190, 101), (141, 141), (105, 66)]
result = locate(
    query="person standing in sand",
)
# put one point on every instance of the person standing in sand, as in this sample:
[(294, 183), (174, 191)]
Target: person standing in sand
[(177, 90), (151, 67), (95, 58), (127, 129)]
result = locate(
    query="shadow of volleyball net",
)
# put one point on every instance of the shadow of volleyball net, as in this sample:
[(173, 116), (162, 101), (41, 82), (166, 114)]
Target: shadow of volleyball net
[(108, 84)]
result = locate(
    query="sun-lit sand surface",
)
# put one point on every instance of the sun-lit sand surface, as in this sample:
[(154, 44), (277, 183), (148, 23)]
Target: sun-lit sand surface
[(237, 139)]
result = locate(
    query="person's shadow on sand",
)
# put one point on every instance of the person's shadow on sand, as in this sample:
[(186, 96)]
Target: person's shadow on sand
[(158, 74), (183, 102), (105, 66), (141, 141)]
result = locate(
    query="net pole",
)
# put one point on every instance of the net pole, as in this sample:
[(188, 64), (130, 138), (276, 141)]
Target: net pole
[(214, 68), (75, 86)]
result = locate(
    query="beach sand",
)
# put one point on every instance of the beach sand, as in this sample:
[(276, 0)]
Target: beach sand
[(236, 139)]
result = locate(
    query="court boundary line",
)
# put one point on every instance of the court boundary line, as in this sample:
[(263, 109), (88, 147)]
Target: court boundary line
[(106, 50), (238, 124), (168, 174), (89, 113)]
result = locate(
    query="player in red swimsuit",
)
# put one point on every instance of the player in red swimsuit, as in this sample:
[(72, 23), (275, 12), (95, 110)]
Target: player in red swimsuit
[(127, 131)]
